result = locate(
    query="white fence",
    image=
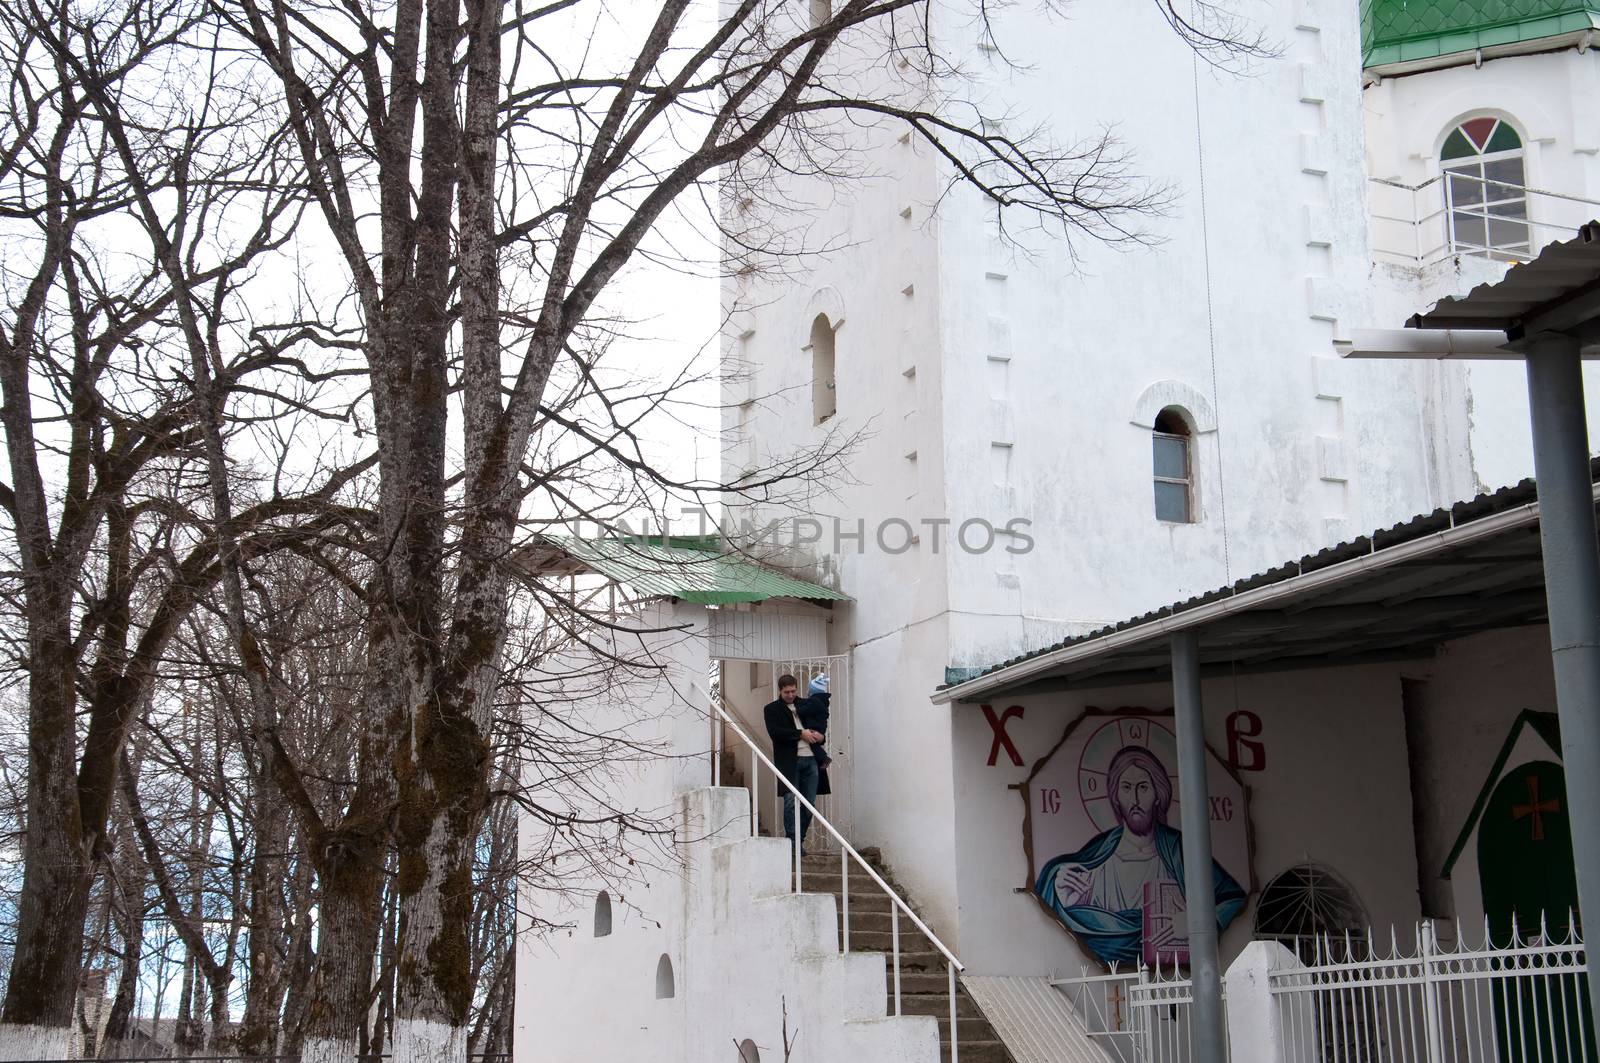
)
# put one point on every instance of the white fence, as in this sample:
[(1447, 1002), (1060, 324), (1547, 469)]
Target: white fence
[(1513, 998), (1526, 1000), (1139, 1017)]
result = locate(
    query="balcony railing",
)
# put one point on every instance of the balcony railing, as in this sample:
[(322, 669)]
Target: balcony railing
[(1461, 214)]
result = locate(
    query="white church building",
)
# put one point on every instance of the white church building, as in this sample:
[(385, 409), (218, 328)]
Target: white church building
[(1065, 456)]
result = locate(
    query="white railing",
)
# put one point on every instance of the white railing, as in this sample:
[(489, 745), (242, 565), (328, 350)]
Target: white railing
[(1142, 1016), (1463, 214), (1525, 1000), (847, 853)]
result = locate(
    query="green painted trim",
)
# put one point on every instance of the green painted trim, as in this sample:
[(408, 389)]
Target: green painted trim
[(1462, 27), (1546, 725), (689, 568)]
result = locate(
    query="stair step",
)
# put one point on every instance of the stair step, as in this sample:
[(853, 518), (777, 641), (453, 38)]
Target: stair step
[(911, 942), (973, 1031), (920, 981), (936, 1004), (920, 961), (977, 1052), (924, 971)]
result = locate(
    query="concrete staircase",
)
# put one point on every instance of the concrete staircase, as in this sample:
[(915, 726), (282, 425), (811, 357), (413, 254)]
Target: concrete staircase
[(924, 977)]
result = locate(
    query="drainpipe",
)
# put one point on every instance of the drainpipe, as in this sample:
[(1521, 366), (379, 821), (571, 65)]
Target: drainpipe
[(1572, 586), (1208, 1041)]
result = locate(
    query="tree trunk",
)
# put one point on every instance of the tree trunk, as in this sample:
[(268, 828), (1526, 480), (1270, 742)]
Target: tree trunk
[(58, 872), (130, 927), (259, 1028)]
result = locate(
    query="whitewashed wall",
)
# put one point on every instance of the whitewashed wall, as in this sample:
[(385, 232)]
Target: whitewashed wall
[(1334, 792), (1550, 100), (572, 986), (711, 899), (1469, 701)]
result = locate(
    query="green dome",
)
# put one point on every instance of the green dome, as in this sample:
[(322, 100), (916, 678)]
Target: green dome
[(1400, 31)]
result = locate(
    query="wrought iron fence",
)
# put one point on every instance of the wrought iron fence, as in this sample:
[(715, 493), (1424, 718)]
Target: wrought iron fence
[(1142, 1016), (1523, 999)]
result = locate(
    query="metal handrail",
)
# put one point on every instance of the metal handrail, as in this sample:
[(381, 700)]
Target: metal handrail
[(847, 852), (1443, 211), (1459, 176)]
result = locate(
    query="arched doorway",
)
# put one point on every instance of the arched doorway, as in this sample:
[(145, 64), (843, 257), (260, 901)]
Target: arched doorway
[(1530, 895)]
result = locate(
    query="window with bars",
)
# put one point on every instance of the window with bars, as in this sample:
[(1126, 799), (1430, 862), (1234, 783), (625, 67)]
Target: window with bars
[(1172, 444), (1486, 190)]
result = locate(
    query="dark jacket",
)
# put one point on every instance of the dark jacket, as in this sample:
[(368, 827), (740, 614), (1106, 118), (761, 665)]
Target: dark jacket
[(813, 713)]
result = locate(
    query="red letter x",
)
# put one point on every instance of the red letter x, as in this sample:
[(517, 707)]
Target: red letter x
[(998, 725)]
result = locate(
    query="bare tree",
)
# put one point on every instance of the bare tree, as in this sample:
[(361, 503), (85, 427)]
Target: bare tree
[(512, 168), (100, 421), (457, 187)]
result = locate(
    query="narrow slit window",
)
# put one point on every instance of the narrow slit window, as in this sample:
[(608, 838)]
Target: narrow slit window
[(665, 989), (1173, 454), (602, 914), (824, 395)]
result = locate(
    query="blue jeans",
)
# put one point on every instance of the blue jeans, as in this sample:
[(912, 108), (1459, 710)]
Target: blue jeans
[(805, 780)]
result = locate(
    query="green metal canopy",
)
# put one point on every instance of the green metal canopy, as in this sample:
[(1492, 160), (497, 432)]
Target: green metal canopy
[(693, 569), (1403, 31)]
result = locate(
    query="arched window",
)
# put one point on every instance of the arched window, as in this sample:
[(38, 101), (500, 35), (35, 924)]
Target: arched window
[(602, 914), (1486, 190), (821, 12), (1313, 912), (824, 396), (1173, 446), (748, 1052), (664, 987), (1310, 908)]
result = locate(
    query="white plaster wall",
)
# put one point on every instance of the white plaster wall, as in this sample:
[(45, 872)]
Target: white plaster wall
[(1337, 789), (1334, 792), (707, 895), (572, 986), (748, 956), (905, 801), (1550, 99), (1307, 450), (1470, 698), (948, 344)]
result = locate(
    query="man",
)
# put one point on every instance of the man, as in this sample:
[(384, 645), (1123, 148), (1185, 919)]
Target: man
[(1106, 891), (795, 746)]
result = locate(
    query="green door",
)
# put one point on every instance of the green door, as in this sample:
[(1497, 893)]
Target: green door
[(1525, 868)]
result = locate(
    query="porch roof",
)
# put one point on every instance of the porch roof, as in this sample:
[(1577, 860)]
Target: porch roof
[(692, 568), (1557, 291), (1396, 594)]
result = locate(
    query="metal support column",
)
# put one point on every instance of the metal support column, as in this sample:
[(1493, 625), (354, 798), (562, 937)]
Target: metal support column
[(1572, 587), (1207, 1034)]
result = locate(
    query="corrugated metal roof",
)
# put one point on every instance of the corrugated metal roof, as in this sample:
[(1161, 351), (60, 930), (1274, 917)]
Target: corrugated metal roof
[(1401, 31), (1035, 1020), (1508, 564), (691, 569), (1560, 277)]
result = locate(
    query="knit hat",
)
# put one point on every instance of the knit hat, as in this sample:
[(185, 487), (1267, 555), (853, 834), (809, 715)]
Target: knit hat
[(818, 685)]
